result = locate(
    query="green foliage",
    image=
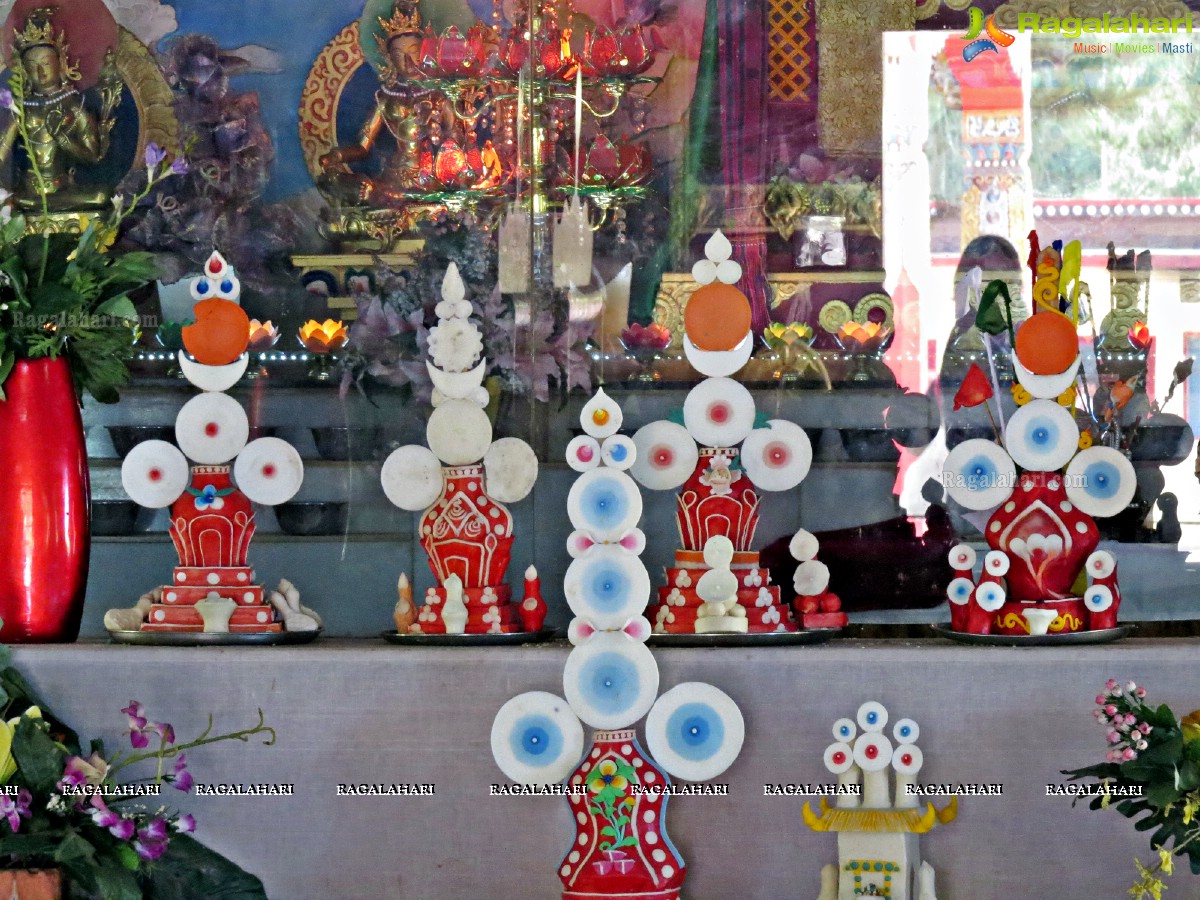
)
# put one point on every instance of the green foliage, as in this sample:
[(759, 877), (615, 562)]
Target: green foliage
[(64, 294)]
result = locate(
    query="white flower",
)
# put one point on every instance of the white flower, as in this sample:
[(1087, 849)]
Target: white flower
[(455, 345), (453, 309)]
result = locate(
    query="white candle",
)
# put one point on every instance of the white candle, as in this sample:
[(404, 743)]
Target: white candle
[(578, 119)]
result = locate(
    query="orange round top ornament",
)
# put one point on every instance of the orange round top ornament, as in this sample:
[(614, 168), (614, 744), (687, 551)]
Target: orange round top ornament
[(220, 333), (717, 317), (1046, 343)]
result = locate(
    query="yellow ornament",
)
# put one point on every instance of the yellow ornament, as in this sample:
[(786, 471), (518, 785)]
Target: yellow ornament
[(1021, 395), (1085, 440), (1067, 397)]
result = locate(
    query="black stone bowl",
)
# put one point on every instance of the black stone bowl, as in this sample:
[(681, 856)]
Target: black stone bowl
[(119, 517), (126, 437), (337, 443), (309, 517)]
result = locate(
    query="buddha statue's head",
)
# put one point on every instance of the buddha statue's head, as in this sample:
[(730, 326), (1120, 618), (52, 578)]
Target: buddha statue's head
[(400, 40), (43, 53)]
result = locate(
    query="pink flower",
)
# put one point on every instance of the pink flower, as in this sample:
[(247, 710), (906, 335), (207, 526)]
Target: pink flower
[(1110, 710), (1145, 728), (1114, 736), (1100, 699), (1110, 684), (120, 827), (148, 847), (185, 824), (1141, 693), (1130, 719), (13, 809), (181, 778), (1129, 754), (140, 728)]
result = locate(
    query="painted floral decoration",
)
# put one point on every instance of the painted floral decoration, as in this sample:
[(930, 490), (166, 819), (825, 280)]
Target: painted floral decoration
[(608, 781)]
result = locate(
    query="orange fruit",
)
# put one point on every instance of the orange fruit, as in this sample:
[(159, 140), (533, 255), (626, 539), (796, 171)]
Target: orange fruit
[(220, 333), (717, 317), (1047, 343)]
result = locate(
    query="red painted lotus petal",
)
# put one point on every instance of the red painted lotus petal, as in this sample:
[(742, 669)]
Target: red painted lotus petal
[(636, 51), (603, 160), (602, 52)]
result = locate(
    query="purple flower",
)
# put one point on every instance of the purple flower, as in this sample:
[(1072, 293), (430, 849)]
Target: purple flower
[(185, 824), (6, 98), (140, 728), (154, 155), (117, 825), (14, 809), (155, 830), (179, 166), (181, 778), (152, 840), (80, 771)]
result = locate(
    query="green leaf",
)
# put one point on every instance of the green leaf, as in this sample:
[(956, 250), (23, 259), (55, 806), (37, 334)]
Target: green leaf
[(1160, 795), (119, 307), (52, 298), (15, 685), (115, 882), (628, 841), (73, 846), (608, 831), (991, 317), (39, 759), (189, 870)]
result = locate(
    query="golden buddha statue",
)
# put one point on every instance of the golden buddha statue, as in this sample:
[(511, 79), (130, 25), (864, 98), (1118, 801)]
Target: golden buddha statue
[(409, 113), (62, 131)]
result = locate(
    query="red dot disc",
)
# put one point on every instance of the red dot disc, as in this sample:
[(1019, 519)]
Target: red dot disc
[(585, 454), (777, 454), (154, 474), (839, 758), (719, 413), (871, 752), (664, 457), (906, 759), (212, 429), (268, 471)]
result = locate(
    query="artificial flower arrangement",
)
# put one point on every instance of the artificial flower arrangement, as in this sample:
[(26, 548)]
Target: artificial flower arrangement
[(68, 295), (81, 813), (526, 355), (1152, 771)]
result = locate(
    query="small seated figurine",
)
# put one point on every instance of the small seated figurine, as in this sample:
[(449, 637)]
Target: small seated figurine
[(62, 130)]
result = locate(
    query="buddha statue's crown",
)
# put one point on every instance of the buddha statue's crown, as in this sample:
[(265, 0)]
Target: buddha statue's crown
[(38, 31), (406, 19)]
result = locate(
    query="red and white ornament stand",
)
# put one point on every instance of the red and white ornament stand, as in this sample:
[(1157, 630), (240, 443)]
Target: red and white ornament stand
[(1040, 494), (213, 588), (720, 458), (617, 792), (462, 482)]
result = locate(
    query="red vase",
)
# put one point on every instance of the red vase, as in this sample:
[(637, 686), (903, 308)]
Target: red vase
[(44, 534), (621, 848)]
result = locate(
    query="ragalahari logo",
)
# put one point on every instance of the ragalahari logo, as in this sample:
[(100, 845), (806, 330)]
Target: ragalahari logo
[(993, 36)]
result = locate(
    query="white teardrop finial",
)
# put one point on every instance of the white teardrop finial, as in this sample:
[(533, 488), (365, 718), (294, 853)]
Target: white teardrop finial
[(718, 249), (453, 288), (531, 573)]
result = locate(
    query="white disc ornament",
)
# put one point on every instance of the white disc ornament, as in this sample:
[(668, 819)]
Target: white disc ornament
[(906, 731), (1100, 481), (459, 433), (695, 731), (211, 429), (610, 681), (718, 363), (907, 759), (872, 717), (1041, 436), (607, 586), (777, 458), (605, 503), (719, 412), (269, 471), (155, 474), (601, 416), (666, 455), (960, 590), (803, 546), (536, 739), (811, 578), (213, 378), (618, 452), (839, 758), (1097, 598), (457, 385), (1046, 387), (412, 478), (978, 474), (845, 730), (872, 752), (583, 453), (511, 468)]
